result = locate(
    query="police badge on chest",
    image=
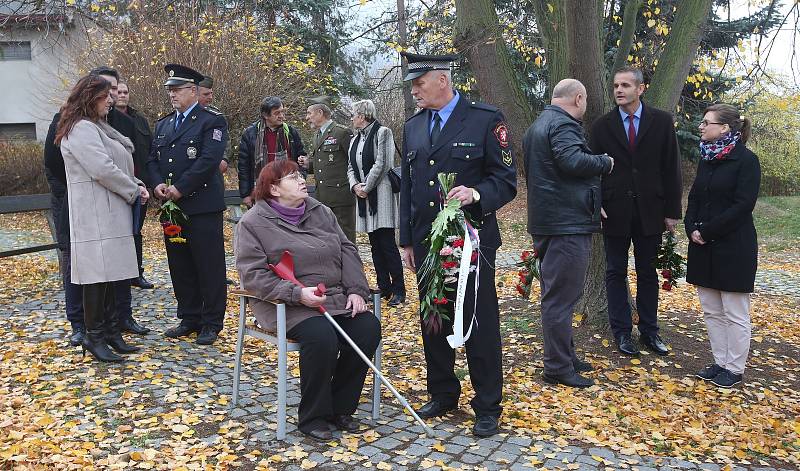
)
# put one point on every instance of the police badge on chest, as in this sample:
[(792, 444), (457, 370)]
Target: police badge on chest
[(191, 152)]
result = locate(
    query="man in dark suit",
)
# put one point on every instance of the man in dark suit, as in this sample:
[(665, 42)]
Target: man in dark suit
[(328, 162), (641, 198), (453, 135), (184, 167)]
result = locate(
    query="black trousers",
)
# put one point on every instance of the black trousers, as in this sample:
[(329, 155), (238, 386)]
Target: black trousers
[(386, 258), (484, 351), (197, 269), (73, 295), (331, 373), (565, 259), (137, 237), (645, 251)]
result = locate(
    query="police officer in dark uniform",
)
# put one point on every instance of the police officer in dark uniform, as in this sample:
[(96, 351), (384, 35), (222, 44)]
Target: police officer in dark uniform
[(453, 135), (184, 167)]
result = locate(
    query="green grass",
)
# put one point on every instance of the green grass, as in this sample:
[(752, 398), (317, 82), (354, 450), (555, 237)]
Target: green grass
[(777, 220)]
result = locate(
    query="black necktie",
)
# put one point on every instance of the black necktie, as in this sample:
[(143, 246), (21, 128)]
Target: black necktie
[(178, 121), (437, 127)]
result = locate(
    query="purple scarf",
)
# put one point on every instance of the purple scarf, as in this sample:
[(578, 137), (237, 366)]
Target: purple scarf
[(290, 215)]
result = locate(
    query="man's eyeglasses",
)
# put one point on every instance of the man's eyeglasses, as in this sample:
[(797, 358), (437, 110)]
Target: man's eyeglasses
[(175, 89), (295, 176), (705, 123)]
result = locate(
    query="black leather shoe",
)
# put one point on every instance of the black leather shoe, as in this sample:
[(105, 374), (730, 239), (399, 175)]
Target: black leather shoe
[(573, 380), (582, 366), (322, 434), (626, 345), (130, 325), (142, 283), (207, 336), (485, 426), (77, 336), (345, 423), (120, 346), (654, 344), (181, 330), (386, 294), (397, 300), (435, 408)]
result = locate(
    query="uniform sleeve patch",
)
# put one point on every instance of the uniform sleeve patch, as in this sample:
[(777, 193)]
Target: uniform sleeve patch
[(507, 157), (501, 133), (217, 136)]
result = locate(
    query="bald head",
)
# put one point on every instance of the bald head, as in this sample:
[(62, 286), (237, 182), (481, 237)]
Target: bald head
[(570, 95)]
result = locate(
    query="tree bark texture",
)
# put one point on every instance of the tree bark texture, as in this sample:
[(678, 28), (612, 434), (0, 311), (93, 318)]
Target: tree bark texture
[(679, 53), (551, 21), (479, 36), (625, 40), (408, 100)]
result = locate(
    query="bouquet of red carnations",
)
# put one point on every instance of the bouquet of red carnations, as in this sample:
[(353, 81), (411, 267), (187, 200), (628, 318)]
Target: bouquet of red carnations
[(529, 271), (669, 262), (452, 256)]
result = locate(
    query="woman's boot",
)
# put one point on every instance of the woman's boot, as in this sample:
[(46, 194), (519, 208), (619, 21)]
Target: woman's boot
[(113, 328), (94, 316)]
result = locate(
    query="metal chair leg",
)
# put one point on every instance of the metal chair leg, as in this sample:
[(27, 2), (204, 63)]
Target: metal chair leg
[(237, 366), (282, 386)]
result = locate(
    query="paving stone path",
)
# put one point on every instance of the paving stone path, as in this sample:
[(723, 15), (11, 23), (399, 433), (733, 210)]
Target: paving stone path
[(398, 441)]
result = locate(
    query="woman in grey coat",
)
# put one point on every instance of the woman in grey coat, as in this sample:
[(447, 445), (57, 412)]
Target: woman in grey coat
[(371, 158), (100, 189)]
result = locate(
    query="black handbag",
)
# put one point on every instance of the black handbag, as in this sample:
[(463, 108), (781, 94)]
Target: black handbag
[(394, 179)]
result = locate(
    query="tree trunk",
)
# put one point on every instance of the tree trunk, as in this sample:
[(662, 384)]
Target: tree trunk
[(551, 20), (679, 53), (625, 40), (408, 100), (479, 35)]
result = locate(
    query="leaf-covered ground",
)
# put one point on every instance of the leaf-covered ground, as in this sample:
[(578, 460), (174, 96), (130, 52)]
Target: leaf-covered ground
[(163, 408)]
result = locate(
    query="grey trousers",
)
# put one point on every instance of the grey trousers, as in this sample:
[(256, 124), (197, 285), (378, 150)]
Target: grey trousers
[(565, 259)]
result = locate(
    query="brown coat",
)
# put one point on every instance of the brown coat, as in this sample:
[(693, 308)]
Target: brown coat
[(322, 254)]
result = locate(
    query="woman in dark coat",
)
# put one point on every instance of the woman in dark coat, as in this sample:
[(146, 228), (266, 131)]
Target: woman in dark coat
[(285, 218), (723, 249)]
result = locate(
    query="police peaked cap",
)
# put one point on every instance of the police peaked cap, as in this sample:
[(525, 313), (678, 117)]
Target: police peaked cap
[(182, 75), (419, 65)]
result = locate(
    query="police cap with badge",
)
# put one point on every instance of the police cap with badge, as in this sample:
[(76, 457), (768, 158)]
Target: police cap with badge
[(420, 64), (182, 75)]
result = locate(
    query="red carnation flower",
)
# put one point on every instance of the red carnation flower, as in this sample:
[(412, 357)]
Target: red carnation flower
[(666, 274), (520, 290), (525, 255), (458, 243), (523, 274), (441, 300), (449, 265), (172, 230), (666, 286)]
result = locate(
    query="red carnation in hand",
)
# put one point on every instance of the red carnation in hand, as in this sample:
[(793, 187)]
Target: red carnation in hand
[(449, 265), (520, 290), (666, 286), (172, 230), (441, 300), (458, 243), (666, 274), (525, 255)]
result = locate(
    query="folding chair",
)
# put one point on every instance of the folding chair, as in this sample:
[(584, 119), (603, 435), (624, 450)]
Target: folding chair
[(286, 345)]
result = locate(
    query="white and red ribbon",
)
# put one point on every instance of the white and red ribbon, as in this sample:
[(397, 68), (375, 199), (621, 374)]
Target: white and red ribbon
[(471, 240)]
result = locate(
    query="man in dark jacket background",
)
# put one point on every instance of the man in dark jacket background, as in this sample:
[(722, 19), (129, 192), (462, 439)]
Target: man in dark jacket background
[(563, 212), (264, 141)]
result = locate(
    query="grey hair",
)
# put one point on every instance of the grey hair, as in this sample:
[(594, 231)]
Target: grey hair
[(326, 111), (638, 77), (365, 108)]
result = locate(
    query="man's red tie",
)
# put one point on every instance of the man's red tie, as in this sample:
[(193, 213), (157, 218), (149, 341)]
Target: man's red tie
[(631, 134)]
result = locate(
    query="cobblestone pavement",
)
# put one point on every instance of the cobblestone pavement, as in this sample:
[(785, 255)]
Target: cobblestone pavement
[(393, 442)]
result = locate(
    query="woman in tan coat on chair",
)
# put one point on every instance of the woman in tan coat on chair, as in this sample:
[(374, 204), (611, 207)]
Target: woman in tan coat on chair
[(101, 190)]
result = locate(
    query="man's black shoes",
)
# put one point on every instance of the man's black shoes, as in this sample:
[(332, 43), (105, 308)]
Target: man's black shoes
[(726, 379), (626, 345), (345, 423), (582, 366), (207, 336), (435, 408), (397, 300), (485, 426), (709, 372), (141, 283), (573, 380), (130, 325), (654, 344), (181, 330)]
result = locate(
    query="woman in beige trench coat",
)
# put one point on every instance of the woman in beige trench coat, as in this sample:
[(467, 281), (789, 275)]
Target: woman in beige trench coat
[(100, 189)]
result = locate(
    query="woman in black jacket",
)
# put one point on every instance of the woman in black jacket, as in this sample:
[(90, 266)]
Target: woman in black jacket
[(723, 249)]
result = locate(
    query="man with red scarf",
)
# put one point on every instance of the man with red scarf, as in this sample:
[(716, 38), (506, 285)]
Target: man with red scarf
[(265, 141)]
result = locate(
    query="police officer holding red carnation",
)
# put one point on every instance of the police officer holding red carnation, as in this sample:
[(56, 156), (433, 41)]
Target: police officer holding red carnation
[(451, 134)]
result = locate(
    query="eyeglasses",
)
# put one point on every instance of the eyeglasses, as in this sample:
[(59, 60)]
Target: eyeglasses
[(175, 89), (705, 123), (295, 176)]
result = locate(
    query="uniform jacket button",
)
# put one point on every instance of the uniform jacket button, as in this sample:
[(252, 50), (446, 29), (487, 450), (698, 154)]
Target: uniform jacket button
[(430, 183), (431, 162), (467, 156), (431, 204), (173, 145), (170, 174), (170, 160)]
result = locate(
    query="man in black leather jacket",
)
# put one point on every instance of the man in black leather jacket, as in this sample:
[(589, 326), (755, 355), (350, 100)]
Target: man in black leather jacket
[(563, 212)]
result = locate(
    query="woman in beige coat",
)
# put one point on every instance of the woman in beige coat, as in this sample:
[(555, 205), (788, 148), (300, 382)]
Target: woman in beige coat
[(285, 218), (101, 189), (371, 158)]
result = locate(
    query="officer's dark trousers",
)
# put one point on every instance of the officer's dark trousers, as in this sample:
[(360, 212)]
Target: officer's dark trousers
[(137, 237), (197, 269), (330, 385), (386, 258), (645, 250), (484, 356), (122, 299), (73, 294), (564, 261), (346, 217)]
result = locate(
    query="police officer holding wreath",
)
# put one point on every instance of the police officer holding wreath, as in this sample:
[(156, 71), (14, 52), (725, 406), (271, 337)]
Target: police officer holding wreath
[(451, 134), (184, 167)]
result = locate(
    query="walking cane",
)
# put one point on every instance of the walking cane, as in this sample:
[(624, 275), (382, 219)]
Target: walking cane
[(285, 270)]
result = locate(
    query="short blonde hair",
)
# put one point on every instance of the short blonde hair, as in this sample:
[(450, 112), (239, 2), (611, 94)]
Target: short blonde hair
[(365, 108)]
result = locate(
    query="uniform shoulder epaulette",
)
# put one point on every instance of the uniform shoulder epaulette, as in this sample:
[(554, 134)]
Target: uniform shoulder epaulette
[(167, 115), (484, 106), (213, 110), (420, 111)]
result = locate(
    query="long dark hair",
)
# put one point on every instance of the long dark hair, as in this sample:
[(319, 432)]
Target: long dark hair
[(81, 103), (729, 114)]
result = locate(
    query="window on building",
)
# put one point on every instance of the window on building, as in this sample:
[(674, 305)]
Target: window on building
[(15, 50), (17, 131)]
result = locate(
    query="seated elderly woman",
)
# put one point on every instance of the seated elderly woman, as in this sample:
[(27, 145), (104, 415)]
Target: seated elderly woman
[(284, 217)]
